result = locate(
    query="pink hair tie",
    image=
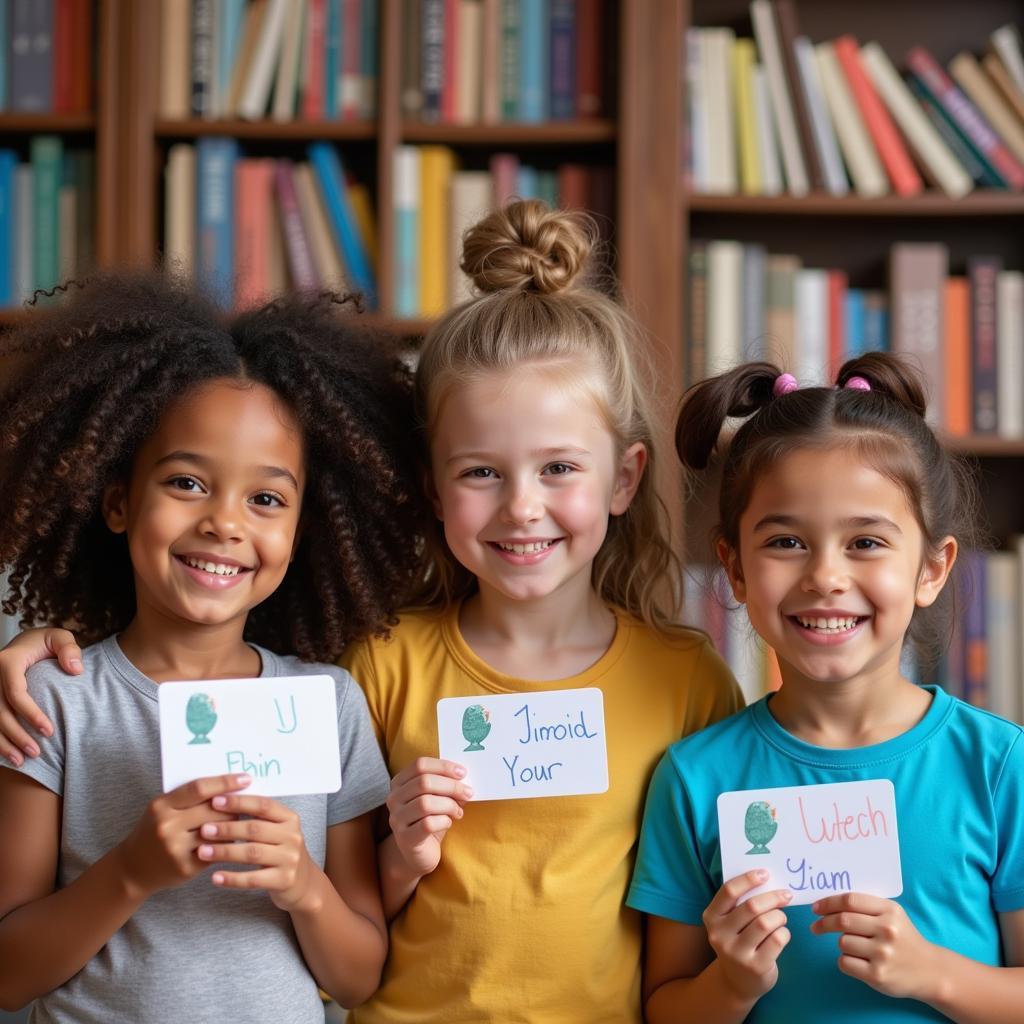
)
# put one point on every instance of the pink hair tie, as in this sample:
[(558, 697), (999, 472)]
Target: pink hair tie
[(858, 384), (784, 383)]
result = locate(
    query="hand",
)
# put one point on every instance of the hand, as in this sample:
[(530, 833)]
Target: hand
[(879, 944), (271, 838), (161, 851), (426, 798), (747, 938), (27, 648)]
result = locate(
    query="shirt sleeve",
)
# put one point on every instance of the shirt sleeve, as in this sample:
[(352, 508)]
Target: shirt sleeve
[(48, 768), (669, 879), (364, 777), (1008, 799)]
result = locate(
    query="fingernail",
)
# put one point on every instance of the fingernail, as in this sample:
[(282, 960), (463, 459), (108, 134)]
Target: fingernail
[(220, 801), (787, 896), (205, 852), (14, 758), (468, 790), (45, 728), (218, 878), (760, 873), (458, 771), (31, 749), (243, 780), (209, 831), (75, 664)]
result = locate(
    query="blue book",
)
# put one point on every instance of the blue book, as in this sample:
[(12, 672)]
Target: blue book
[(215, 216), (432, 58), (876, 323), (332, 59), (855, 326), (533, 61), (331, 176), (527, 182), (563, 59), (407, 230), (8, 161), (975, 645), (229, 36)]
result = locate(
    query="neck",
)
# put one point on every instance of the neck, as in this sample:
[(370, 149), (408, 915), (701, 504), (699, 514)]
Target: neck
[(870, 708), (164, 649)]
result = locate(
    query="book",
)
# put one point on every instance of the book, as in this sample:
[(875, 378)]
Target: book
[(1010, 354), (744, 57), (876, 321), (590, 60), (412, 52), (1006, 43), (982, 272), (252, 30), (31, 56), (895, 158), (5, 52), (925, 141), (46, 155), (780, 314), (859, 153), (724, 306), (471, 196), (490, 62), (351, 80), (230, 22), (62, 56), (833, 175), (917, 275), (314, 61), (330, 173), (837, 288), (285, 89), (468, 70), (259, 80), (1002, 629), (369, 59), (810, 365), (767, 151), (24, 233), (769, 48), (202, 52), (215, 209), (716, 57), (84, 172), (562, 70), (180, 210), (406, 183), (296, 242), (755, 282), (175, 80), (696, 309), (533, 62), (432, 37), (699, 140), (8, 164), (996, 70), (254, 181), (366, 224), (82, 53), (972, 79), (326, 259), (437, 165), (957, 357), (511, 33), (975, 615), (853, 324)]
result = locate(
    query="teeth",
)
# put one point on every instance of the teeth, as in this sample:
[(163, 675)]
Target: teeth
[(829, 625), (214, 567), (526, 549)]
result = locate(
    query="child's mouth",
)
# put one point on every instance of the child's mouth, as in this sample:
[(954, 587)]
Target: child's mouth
[(836, 625)]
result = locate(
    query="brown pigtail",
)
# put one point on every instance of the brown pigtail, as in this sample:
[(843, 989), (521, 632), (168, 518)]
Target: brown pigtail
[(888, 375)]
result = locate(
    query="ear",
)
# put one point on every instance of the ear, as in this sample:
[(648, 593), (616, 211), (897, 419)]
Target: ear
[(115, 507), (430, 490), (631, 471), (935, 571), (730, 560)]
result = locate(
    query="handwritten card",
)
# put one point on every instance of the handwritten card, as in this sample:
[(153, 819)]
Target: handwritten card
[(515, 746), (283, 731), (814, 840)]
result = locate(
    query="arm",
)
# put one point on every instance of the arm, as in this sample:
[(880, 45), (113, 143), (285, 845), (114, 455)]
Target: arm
[(881, 947), (16, 658), (336, 911), (48, 934), (715, 973)]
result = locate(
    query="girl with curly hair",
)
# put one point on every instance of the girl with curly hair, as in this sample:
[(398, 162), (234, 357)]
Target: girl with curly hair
[(192, 496)]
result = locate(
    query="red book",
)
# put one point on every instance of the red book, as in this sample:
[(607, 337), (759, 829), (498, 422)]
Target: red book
[(296, 244), (254, 187), (63, 48), (572, 186), (957, 369), (837, 282), (900, 168), (451, 60), (313, 87), (589, 36), (82, 65)]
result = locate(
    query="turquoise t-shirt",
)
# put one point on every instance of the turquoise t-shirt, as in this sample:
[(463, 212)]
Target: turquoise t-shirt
[(959, 782)]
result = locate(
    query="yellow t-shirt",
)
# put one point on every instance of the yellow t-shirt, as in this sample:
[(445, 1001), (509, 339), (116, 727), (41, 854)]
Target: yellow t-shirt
[(524, 920)]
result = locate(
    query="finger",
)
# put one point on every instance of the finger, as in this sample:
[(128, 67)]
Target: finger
[(428, 766), (266, 878), (15, 740), (855, 967), (408, 814), (251, 830), (856, 902), (725, 899), (256, 806), (768, 951), (847, 923), (760, 928), (427, 828), (62, 645), (739, 917), (199, 791), (857, 946), (262, 854)]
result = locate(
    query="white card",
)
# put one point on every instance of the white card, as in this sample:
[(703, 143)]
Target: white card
[(815, 841), (519, 745), (282, 730)]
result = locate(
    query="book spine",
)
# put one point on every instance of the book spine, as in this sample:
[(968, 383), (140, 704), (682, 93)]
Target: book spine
[(46, 156), (24, 213), (975, 669), (562, 73), (202, 58), (724, 305), (967, 71), (215, 209), (1006, 42), (1010, 354), (436, 168), (1007, 90), (8, 163), (716, 58), (67, 215), (5, 53), (83, 69), (180, 215), (407, 240), (432, 60), (699, 141), (452, 36), (255, 184), (697, 320), (824, 135), (412, 53), (256, 92), (743, 56), (31, 70), (370, 61), (905, 179), (533, 62), (300, 258), (471, 194), (966, 116), (811, 302), (313, 91), (63, 46), (589, 58), (469, 41), (490, 63), (876, 321), (780, 315), (957, 356), (230, 15), (287, 75), (754, 284), (511, 41), (982, 272), (768, 154), (504, 169), (853, 316), (837, 284), (85, 213), (352, 61)]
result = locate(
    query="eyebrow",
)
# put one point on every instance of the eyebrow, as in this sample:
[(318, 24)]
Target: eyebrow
[(274, 472), (547, 453), (858, 522)]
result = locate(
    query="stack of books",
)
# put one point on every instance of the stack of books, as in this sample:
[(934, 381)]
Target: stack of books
[(779, 113)]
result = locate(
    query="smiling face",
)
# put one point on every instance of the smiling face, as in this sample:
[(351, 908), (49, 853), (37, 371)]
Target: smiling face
[(526, 474), (832, 564), (212, 508)]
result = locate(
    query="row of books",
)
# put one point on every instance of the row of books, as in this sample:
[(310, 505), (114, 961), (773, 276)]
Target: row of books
[(487, 61), (435, 203), (965, 332), (47, 217), (249, 229), (283, 59), (778, 113), (46, 56)]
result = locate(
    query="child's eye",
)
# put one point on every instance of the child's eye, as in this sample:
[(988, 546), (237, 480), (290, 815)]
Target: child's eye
[(480, 473), (189, 484), (268, 499), (866, 544), (559, 469), (784, 543)]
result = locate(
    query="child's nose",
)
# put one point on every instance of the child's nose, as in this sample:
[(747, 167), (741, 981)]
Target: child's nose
[(222, 521), (826, 574), (523, 505)]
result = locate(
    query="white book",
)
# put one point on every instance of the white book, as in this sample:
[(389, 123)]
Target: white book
[(859, 153), (286, 81), (175, 81), (768, 46), (258, 82), (180, 209), (919, 131), (1002, 624), (1006, 43), (767, 148), (471, 199), (406, 192), (1010, 353), (326, 258), (810, 365), (724, 306), (468, 72), (717, 65), (24, 190), (755, 281), (821, 123), (67, 203), (699, 143)]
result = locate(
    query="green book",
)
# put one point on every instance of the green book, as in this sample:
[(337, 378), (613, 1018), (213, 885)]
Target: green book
[(46, 155)]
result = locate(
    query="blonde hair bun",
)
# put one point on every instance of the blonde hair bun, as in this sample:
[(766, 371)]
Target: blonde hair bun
[(527, 246)]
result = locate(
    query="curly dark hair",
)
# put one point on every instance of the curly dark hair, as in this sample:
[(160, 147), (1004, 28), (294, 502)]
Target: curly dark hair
[(102, 367)]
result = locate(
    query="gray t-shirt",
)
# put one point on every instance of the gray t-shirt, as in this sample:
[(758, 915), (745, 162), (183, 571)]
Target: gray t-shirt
[(196, 952)]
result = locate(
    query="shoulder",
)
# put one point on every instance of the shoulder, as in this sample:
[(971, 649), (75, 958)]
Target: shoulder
[(981, 732), (415, 636), (48, 681), (730, 734)]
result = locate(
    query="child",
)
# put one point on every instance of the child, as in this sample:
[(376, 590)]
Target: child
[(548, 563), (840, 519), (184, 492)]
